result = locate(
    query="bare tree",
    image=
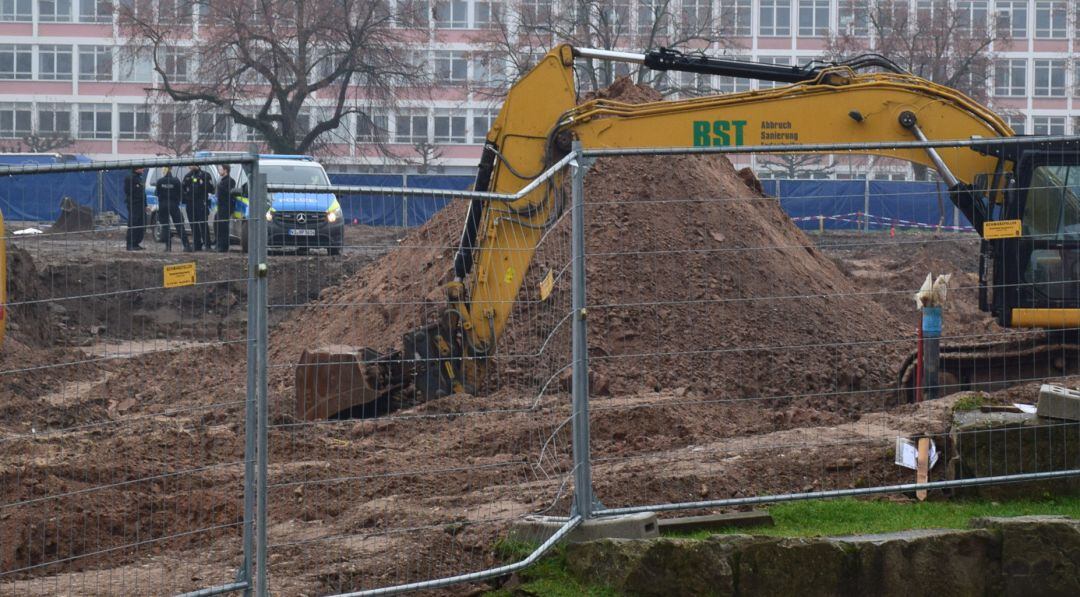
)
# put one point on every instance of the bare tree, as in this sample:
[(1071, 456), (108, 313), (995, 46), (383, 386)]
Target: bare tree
[(796, 165), (37, 142), (939, 40), (260, 65), (530, 28), (427, 156)]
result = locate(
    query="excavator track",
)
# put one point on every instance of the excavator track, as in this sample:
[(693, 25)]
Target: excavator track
[(990, 366)]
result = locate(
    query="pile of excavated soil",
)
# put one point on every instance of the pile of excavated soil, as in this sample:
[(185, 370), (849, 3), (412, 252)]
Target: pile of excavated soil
[(695, 279)]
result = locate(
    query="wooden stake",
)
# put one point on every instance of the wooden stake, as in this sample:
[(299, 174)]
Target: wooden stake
[(922, 473)]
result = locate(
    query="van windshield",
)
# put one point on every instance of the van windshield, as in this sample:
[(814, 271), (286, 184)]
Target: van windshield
[(301, 174)]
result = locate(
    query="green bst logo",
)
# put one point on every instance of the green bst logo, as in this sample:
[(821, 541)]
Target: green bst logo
[(718, 133)]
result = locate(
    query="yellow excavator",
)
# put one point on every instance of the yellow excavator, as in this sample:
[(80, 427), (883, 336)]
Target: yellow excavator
[(1031, 271)]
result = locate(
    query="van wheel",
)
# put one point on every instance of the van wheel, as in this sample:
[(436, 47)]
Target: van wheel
[(334, 251), (244, 236)]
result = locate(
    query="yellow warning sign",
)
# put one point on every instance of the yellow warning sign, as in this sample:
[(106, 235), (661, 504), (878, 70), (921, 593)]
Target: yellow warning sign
[(547, 285), (1001, 229), (179, 274)]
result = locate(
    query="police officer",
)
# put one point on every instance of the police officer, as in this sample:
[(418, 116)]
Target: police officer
[(225, 188), (135, 196), (197, 186), (169, 196)]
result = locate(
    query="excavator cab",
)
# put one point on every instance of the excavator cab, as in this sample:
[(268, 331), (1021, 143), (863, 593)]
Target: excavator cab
[(1036, 274)]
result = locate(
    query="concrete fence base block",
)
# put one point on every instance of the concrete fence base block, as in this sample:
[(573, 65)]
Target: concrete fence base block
[(535, 529), (1056, 402)]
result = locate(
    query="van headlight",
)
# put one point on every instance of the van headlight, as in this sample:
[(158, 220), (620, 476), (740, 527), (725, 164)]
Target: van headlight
[(333, 215), (269, 216)]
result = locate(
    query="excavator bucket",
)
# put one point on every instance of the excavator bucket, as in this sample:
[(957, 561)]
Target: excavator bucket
[(342, 380)]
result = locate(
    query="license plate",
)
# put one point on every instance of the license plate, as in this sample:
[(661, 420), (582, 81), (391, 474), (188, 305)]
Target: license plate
[(301, 232)]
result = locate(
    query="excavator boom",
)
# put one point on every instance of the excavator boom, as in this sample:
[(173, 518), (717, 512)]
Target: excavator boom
[(828, 103)]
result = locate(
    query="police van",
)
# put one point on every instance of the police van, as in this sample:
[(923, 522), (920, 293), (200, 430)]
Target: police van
[(301, 220)]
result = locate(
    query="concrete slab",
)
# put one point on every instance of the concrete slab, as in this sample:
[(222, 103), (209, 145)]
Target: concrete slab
[(1056, 402), (709, 522)]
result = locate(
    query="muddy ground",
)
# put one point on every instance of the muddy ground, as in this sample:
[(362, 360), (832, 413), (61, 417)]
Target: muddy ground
[(121, 455)]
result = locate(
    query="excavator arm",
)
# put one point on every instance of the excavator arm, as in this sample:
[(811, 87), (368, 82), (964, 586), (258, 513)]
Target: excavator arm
[(541, 114)]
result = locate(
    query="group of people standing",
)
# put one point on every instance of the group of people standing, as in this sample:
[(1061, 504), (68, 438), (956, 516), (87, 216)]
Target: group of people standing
[(194, 192)]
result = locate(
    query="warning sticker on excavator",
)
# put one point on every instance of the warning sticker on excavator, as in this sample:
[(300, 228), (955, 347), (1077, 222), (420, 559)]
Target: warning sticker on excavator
[(180, 274), (546, 285), (1001, 229), (508, 277)]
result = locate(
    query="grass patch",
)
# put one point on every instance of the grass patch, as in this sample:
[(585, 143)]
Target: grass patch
[(970, 401), (853, 517), (549, 577)]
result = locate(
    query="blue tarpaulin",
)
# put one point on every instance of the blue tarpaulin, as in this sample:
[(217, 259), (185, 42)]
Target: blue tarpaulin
[(842, 202), (36, 197)]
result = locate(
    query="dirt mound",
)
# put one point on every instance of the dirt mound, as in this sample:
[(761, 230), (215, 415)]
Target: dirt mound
[(30, 320), (695, 278)]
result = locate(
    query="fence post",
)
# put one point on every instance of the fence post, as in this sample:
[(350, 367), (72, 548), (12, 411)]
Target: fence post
[(101, 192), (250, 412), (866, 204), (583, 494), (405, 202), (257, 211)]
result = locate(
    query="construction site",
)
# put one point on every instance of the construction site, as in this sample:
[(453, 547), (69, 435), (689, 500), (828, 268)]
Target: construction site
[(644, 331)]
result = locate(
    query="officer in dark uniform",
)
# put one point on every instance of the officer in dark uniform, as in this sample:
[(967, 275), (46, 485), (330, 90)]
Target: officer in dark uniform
[(169, 196), (135, 196), (225, 188), (197, 187)]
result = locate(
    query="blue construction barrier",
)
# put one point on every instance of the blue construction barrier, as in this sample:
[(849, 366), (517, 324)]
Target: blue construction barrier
[(843, 204), (37, 197), (837, 204)]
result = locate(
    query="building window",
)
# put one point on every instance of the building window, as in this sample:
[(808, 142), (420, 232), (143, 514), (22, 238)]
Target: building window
[(736, 17), (1049, 78), (481, 124), (214, 126), (1050, 19), (411, 128), (451, 67), (175, 124), (1010, 78), (855, 17), (95, 63), (696, 15), (372, 126), (813, 18), (536, 11), (1011, 18), (1017, 124), (54, 119), (95, 11), (178, 12), (1048, 125), (487, 14), (16, 11), (54, 63), (449, 127), (95, 121), (488, 70), (134, 122), (971, 15), (136, 66), (14, 120), (174, 62), (54, 11), (451, 14), (775, 18), (413, 14), (16, 61)]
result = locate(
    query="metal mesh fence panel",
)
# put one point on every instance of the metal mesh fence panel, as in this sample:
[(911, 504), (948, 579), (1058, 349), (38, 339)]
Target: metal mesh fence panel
[(374, 483), (734, 357), (122, 419)]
